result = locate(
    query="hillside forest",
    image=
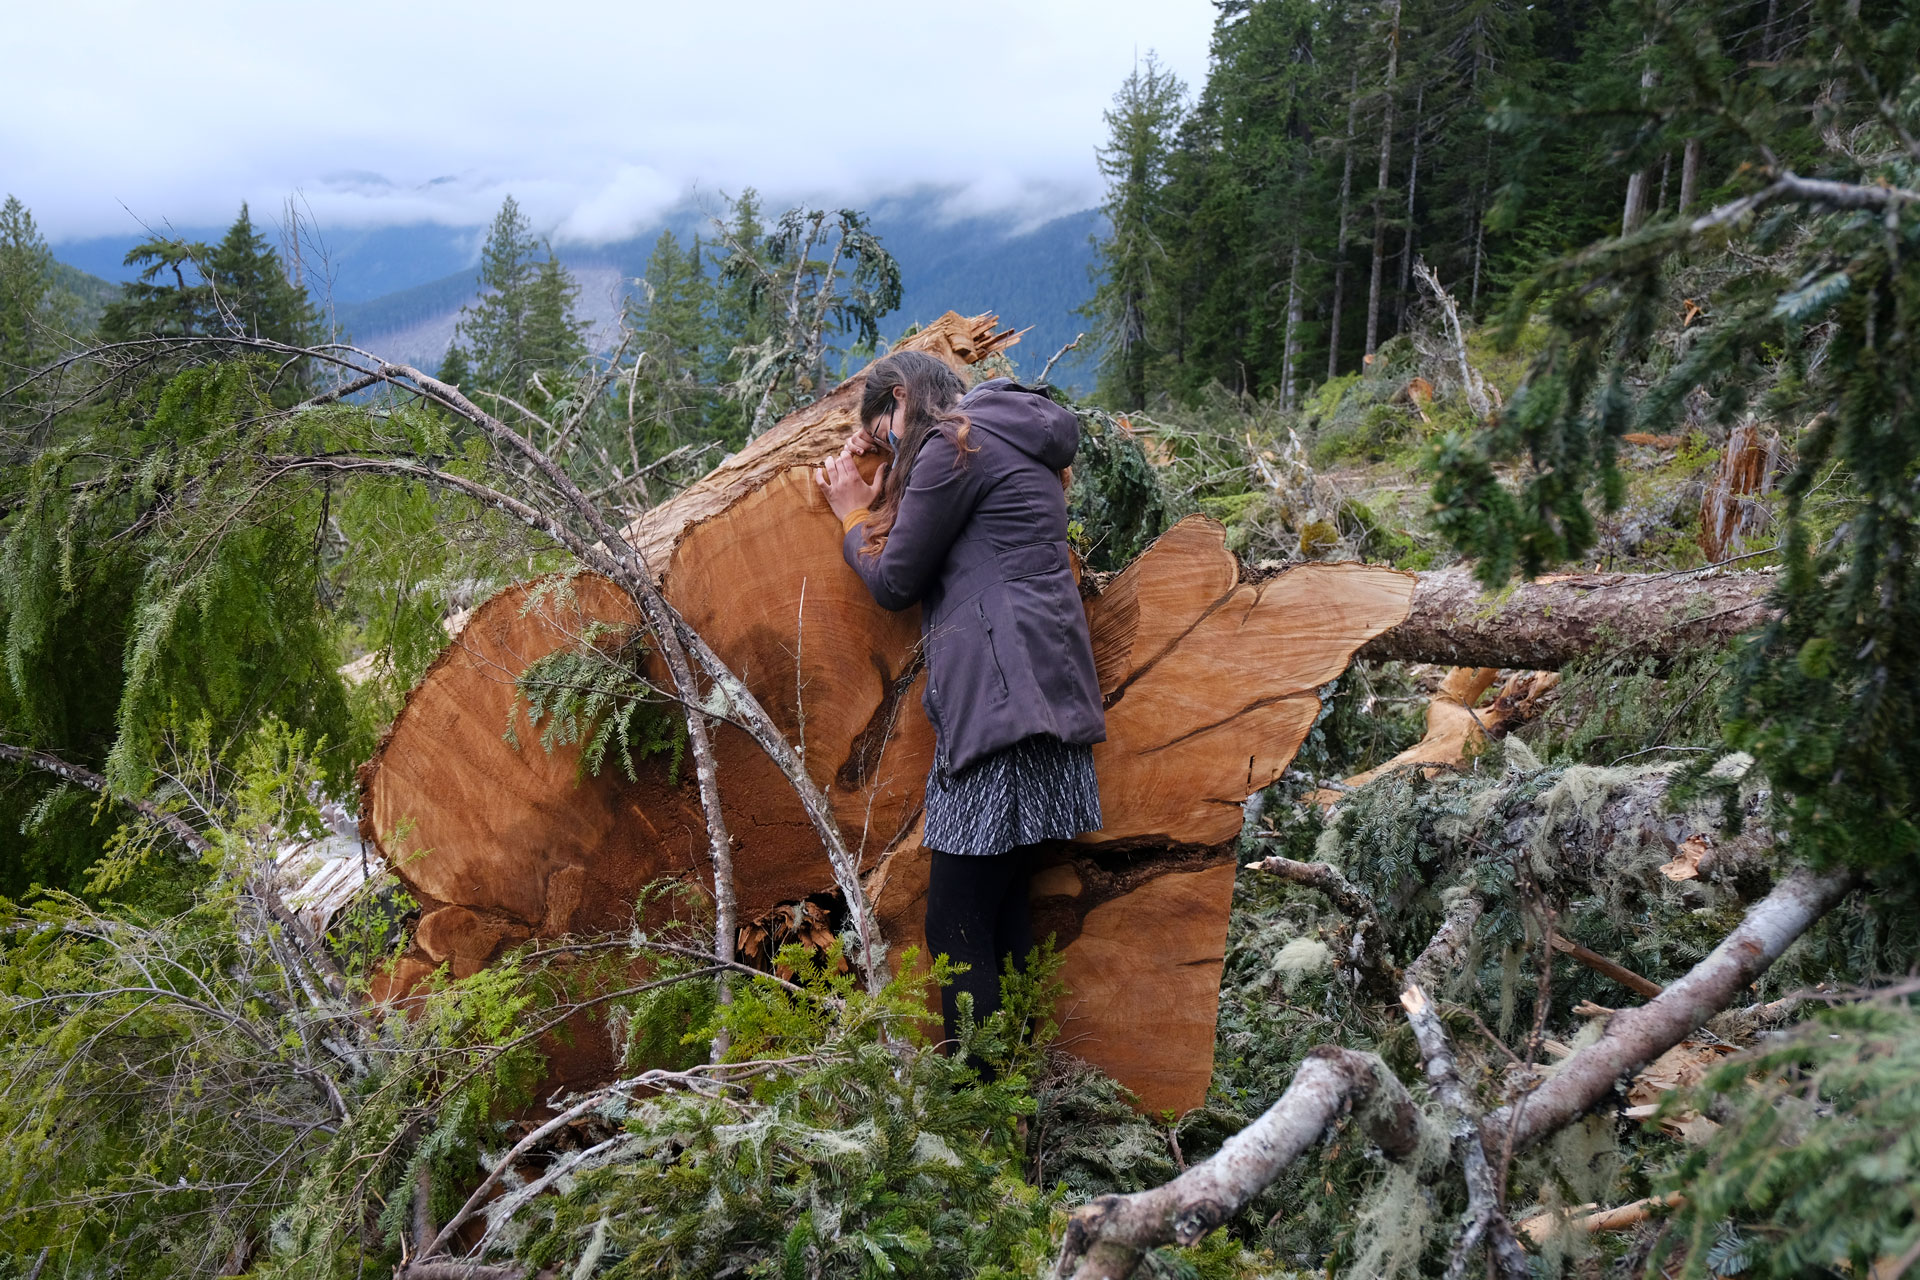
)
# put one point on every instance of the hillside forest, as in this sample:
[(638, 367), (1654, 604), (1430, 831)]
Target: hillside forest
[(443, 838)]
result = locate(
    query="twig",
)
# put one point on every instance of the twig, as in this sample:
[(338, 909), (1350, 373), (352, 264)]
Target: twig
[(1601, 965), (1048, 367)]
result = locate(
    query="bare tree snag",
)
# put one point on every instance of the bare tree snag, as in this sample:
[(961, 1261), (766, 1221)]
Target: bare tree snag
[(1635, 1037), (1106, 1238), (1210, 681), (1731, 508), (1545, 624)]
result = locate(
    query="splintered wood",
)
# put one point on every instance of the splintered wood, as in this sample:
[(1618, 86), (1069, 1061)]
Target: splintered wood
[(1209, 679)]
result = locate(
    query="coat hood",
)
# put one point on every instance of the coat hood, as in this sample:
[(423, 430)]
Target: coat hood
[(1026, 419)]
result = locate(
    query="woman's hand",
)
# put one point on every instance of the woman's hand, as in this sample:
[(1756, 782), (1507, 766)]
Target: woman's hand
[(846, 491), (861, 442)]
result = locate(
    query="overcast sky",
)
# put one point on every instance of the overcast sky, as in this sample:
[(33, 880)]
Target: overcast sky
[(595, 114)]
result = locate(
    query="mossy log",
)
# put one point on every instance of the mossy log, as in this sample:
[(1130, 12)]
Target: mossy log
[(1545, 624), (1210, 677)]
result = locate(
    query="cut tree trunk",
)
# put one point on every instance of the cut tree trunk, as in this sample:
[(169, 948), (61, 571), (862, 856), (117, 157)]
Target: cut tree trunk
[(1210, 680), (1545, 624)]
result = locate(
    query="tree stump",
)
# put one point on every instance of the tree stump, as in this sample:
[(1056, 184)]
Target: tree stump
[(1210, 678)]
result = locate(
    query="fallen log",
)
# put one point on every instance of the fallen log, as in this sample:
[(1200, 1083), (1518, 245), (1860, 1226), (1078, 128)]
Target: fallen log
[(1210, 676), (1545, 624)]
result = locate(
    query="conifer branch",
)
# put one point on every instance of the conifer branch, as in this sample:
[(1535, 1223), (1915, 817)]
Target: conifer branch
[(173, 823)]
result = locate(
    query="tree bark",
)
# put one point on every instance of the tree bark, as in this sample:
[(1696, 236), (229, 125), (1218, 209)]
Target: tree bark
[(1340, 249), (1635, 211), (1290, 359), (1380, 185), (1413, 182), (1545, 624), (1689, 173), (1486, 1220), (1106, 1238), (1635, 1037)]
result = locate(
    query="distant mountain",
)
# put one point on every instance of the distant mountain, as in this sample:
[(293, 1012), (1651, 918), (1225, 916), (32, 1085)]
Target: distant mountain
[(398, 290), (93, 292)]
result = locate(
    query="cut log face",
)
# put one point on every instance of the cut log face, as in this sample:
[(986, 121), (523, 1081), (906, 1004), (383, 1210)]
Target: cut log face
[(1210, 683)]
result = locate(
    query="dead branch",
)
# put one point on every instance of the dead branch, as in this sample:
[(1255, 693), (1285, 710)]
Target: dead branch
[(1448, 948), (1054, 358), (1607, 968), (1106, 1238), (1364, 953), (1635, 1037), (1486, 1220), (173, 823), (1469, 380)]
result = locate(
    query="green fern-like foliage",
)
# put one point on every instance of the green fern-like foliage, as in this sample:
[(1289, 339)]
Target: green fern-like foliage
[(594, 694), (1116, 505), (1819, 1157)]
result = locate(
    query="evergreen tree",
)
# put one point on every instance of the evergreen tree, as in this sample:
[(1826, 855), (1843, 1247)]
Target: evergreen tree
[(250, 291), (740, 318), (495, 327), (33, 308), (673, 317), (1141, 125), (1811, 327), (556, 339)]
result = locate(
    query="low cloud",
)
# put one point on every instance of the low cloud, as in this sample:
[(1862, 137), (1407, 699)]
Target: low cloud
[(605, 115)]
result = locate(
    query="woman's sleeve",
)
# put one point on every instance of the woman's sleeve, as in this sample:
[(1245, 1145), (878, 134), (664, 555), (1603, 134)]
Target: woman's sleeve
[(933, 510)]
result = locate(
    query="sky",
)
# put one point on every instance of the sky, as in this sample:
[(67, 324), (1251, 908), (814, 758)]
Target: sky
[(596, 115)]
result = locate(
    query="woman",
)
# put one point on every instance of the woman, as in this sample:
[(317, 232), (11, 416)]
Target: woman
[(969, 521)]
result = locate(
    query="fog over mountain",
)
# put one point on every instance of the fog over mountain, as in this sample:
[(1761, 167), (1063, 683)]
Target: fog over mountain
[(399, 289)]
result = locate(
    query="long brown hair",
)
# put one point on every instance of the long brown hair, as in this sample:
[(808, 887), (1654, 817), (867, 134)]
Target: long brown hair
[(932, 392)]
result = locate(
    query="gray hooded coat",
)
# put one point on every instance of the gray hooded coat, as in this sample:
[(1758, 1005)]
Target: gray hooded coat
[(980, 543)]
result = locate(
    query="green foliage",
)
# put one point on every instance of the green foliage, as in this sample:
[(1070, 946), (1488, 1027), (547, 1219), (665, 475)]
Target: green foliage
[(594, 694), (1140, 124), (1819, 1153), (158, 570), (237, 288), (35, 309), (1813, 332), (184, 1095), (813, 274), (1117, 504), (856, 1155), (1610, 707), (520, 338)]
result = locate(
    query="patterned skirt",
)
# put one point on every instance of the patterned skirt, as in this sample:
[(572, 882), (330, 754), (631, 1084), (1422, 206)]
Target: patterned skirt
[(1040, 788)]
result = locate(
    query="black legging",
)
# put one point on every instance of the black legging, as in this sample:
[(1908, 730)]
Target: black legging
[(977, 916)]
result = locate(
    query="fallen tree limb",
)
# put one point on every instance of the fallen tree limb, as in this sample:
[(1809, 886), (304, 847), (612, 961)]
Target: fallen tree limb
[(172, 823), (1486, 1220), (1447, 949), (1106, 1238), (1635, 1037), (1544, 1226), (1364, 953), (1545, 624), (1605, 967)]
